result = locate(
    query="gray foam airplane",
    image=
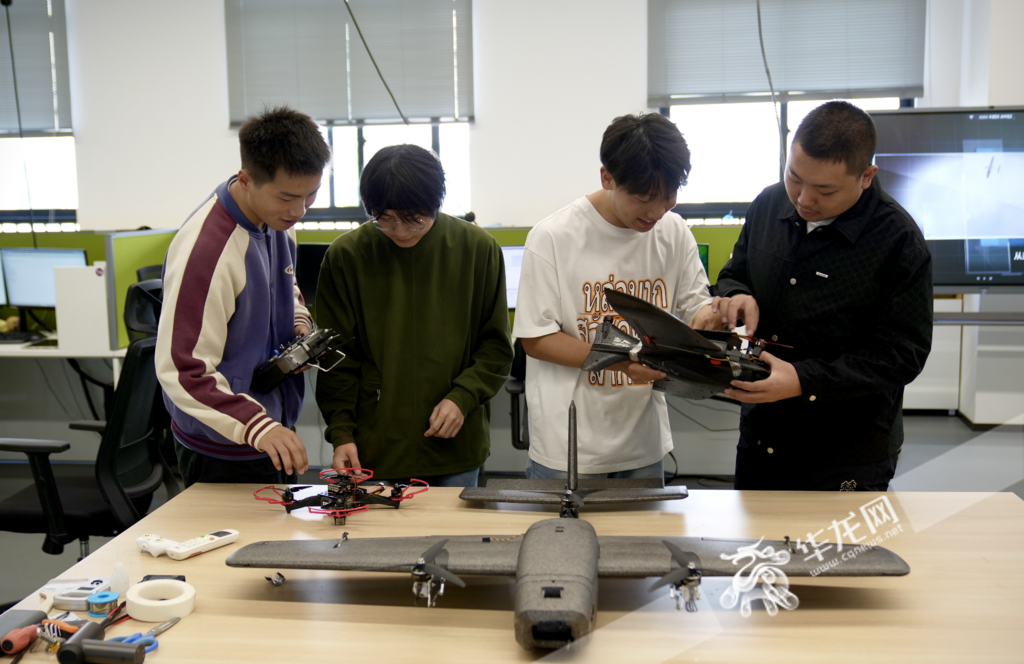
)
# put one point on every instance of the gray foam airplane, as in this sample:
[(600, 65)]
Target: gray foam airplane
[(557, 564)]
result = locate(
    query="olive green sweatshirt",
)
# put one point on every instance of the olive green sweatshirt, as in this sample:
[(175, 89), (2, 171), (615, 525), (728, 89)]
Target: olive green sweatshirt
[(427, 323)]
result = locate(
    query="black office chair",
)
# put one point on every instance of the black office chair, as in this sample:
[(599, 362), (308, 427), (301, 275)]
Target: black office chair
[(150, 272), (516, 386), (127, 471), (142, 306)]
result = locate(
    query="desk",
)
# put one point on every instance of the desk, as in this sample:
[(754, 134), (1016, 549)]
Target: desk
[(962, 601), (27, 351)]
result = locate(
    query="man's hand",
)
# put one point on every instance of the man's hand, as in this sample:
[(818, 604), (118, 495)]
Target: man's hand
[(346, 456), (301, 330), (706, 319), (285, 450), (783, 383), (638, 372), (732, 309), (446, 420)]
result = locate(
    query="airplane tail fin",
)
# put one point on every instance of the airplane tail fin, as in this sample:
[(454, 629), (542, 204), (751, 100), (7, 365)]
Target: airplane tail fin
[(611, 345), (573, 477)]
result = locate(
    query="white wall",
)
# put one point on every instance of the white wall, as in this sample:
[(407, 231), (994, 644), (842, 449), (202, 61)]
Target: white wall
[(150, 106), (548, 78)]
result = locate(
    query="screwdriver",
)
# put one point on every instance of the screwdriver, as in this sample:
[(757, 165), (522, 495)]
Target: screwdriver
[(18, 639)]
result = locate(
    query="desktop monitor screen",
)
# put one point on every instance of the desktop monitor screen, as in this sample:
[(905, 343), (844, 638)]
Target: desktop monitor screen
[(958, 172), (307, 268), (702, 251), (28, 274), (3, 288), (513, 267)]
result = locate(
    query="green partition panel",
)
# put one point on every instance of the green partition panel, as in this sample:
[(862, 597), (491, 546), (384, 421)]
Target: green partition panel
[(720, 241), (126, 253), (93, 243)]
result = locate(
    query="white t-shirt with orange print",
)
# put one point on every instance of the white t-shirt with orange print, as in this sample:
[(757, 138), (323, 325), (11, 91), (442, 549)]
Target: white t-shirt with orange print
[(570, 257)]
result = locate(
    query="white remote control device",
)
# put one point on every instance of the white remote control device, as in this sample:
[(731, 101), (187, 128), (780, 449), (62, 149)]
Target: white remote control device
[(155, 545), (197, 545)]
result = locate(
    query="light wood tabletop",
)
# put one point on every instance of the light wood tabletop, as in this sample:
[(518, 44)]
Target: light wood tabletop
[(962, 601)]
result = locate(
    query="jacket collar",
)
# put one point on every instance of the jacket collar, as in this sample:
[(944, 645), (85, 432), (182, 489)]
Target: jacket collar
[(851, 223)]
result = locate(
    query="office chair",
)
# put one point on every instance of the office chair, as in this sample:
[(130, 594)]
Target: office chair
[(142, 306), (141, 317), (515, 386), (127, 471), (150, 272)]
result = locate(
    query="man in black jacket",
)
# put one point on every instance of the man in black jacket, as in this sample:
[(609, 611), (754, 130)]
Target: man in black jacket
[(832, 268)]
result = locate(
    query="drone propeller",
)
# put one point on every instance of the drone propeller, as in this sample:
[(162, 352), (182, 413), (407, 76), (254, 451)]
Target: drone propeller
[(425, 565), (761, 342), (677, 575)]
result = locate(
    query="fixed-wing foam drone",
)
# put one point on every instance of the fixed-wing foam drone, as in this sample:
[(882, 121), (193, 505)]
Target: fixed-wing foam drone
[(699, 363), (344, 496), (557, 564)]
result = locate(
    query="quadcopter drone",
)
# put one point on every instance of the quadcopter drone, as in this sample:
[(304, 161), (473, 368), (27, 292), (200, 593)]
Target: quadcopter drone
[(344, 496)]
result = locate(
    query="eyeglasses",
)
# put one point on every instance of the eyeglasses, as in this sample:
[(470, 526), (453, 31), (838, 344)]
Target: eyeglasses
[(417, 225)]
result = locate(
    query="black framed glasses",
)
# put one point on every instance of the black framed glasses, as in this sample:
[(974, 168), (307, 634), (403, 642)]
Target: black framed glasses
[(418, 223)]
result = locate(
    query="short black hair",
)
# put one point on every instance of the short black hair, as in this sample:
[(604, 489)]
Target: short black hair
[(839, 132), (282, 138), (646, 154), (405, 178)]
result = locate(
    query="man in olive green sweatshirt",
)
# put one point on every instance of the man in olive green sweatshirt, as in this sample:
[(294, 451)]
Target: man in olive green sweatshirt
[(422, 296)]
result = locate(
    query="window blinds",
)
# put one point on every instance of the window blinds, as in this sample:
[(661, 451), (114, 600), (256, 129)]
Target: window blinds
[(39, 33), (820, 48), (308, 54)]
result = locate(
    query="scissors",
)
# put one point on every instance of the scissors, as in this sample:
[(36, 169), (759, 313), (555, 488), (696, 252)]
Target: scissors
[(149, 638)]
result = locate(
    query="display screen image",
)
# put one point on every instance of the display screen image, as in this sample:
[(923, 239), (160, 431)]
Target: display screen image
[(513, 268), (28, 274), (960, 175)]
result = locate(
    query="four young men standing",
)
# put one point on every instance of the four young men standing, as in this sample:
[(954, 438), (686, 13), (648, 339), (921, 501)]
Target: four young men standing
[(827, 263)]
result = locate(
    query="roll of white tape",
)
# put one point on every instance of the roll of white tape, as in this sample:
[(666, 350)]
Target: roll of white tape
[(160, 600)]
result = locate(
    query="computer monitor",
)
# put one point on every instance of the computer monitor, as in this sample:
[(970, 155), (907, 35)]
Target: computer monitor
[(513, 268), (958, 172), (702, 251), (28, 274), (307, 268), (3, 287)]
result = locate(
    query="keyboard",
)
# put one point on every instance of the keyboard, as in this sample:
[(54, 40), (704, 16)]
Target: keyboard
[(19, 337)]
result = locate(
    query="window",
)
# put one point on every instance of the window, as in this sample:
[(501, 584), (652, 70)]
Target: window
[(37, 150), (310, 55)]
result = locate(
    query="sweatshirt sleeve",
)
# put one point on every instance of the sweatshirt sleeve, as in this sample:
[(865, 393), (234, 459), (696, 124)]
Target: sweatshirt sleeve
[(337, 391), (204, 273), (491, 360)]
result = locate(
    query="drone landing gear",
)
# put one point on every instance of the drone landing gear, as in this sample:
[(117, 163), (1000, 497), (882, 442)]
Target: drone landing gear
[(427, 587), (687, 591)]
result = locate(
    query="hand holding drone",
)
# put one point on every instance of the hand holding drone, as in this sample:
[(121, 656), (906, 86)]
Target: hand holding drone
[(344, 496)]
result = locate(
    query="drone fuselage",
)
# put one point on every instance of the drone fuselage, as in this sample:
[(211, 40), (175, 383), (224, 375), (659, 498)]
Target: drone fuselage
[(556, 583)]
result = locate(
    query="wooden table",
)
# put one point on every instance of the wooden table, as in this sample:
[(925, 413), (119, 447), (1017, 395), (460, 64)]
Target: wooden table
[(962, 602)]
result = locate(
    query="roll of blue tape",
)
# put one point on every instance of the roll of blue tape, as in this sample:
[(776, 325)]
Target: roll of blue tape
[(101, 604)]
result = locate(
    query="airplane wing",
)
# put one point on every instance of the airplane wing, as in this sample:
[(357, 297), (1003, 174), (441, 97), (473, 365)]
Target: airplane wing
[(593, 491), (476, 554), (627, 556), (658, 326)]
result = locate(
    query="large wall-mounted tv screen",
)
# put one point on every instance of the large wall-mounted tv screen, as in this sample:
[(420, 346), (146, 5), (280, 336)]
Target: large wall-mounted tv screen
[(959, 173)]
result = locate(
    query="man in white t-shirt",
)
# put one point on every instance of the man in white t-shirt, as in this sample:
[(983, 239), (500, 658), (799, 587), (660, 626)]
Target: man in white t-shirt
[(623, 236)]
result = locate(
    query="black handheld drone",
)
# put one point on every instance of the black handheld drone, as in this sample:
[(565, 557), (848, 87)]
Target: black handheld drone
[(344, 496), (699, 363)]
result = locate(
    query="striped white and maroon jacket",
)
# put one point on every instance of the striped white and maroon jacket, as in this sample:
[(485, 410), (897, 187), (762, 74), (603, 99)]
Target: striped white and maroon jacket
[(230, 299)]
